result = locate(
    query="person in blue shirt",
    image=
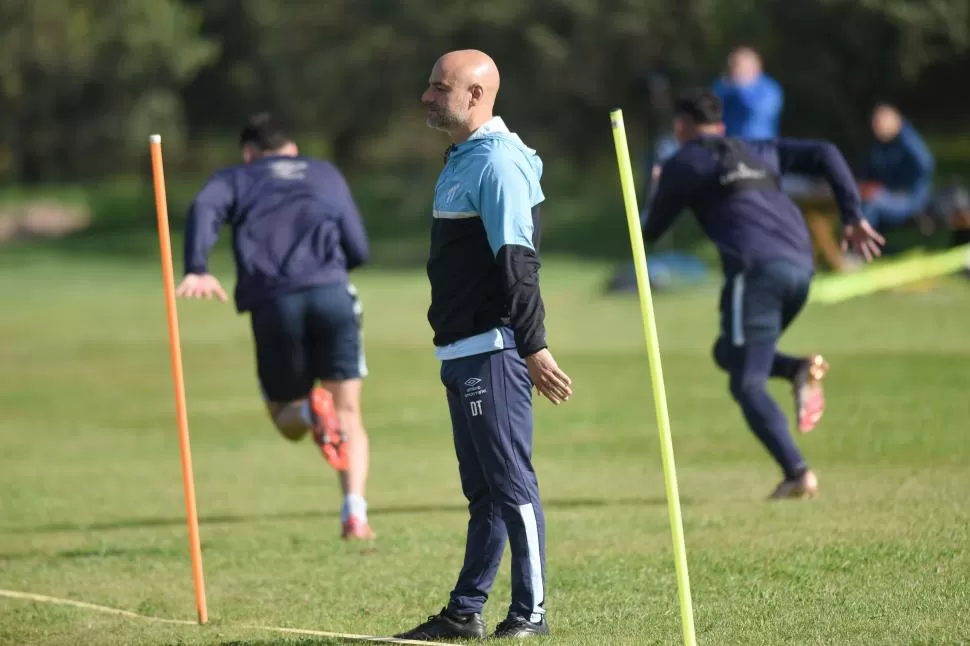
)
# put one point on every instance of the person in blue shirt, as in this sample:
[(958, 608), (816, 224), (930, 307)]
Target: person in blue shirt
[(899, 170), (733, 188), (487, 317), (296, 233), (752, 100)]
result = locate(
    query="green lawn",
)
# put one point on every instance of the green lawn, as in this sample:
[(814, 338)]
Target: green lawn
[(91, 502)]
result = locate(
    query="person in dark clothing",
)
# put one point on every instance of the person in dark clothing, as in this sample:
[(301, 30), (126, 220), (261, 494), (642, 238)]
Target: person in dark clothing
[(296, 233), (732, 187), (898, 173)]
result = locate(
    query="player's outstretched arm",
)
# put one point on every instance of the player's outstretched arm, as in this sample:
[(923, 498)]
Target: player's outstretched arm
[(353, 235), (823, 159), (208, 212)]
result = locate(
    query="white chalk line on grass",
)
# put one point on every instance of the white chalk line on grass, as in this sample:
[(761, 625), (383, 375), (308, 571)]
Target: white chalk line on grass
[(40, 598)]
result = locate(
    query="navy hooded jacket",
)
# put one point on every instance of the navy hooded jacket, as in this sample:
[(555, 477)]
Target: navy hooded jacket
[(294, 225)]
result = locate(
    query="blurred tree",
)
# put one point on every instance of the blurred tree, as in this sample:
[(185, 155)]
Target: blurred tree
[(84, 82), (341, 73), (91, 75), (849, 54)]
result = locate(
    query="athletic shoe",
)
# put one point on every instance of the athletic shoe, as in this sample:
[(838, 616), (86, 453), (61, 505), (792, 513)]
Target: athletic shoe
[(809, 396), (357, 530), (804, 486), (448, 625), (326, 429), (518, 627)]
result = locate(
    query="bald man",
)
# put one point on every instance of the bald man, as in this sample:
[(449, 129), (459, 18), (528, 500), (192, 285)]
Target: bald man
[(487, 316)]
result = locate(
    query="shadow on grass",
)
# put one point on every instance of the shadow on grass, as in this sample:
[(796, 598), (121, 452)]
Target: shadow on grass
[(237, 519)]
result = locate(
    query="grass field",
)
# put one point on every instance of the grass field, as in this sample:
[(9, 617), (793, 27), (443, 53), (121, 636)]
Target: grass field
[(91, 503)]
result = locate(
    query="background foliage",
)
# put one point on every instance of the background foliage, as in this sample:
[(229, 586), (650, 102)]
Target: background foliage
[(83, 83)]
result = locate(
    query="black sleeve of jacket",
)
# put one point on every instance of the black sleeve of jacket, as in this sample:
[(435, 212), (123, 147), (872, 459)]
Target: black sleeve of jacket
[(520, 274)]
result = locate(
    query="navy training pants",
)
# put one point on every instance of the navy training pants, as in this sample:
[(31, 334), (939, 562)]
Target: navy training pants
[(757, 306), (490, 399)]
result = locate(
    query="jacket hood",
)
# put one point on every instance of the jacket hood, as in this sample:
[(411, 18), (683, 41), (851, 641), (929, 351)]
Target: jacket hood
[(494, 133)]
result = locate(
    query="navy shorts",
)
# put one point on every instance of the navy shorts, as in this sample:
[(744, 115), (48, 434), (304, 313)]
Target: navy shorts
[(757, 305), (308, 335)]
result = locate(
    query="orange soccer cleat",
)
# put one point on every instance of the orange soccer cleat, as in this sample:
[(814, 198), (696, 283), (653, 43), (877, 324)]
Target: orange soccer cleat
[(809, 396), (326, 429), (356, 529)]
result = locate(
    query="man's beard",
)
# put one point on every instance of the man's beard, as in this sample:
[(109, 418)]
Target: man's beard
[(444, 120)]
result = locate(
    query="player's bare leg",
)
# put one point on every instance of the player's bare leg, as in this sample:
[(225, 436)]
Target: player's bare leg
[(353, 480), (291, 419), (318, 415), (335, 408)]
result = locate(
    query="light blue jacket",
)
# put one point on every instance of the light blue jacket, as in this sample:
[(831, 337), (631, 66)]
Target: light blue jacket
[(751, 111), (493, 176)]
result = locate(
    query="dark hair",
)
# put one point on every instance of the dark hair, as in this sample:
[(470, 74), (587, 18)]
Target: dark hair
[(703, 107), (264, 132)]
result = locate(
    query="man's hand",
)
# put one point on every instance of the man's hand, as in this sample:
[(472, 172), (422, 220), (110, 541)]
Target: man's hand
[(550, 381), (201, 286), (862, 238)]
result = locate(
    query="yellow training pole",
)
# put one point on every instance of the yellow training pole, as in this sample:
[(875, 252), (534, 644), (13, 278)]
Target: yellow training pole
[(656, 373)]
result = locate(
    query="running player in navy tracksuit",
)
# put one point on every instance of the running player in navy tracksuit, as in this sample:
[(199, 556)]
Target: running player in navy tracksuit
[(296, 234), (732, 187)]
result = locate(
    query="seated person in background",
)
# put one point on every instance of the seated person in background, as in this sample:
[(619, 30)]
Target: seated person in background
[(752, 100), (896, 182)]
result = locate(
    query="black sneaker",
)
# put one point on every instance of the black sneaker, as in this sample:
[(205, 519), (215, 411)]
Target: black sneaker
[(516, 626), (447, 625)]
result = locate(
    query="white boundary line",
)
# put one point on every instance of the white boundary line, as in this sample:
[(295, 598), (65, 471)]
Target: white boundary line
[(40, 598)]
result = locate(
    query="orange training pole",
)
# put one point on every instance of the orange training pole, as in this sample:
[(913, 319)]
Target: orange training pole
[(168, 276)]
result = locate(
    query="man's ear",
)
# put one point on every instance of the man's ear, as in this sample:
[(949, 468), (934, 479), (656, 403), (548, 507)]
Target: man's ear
[(248, 153), (477, 92)]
